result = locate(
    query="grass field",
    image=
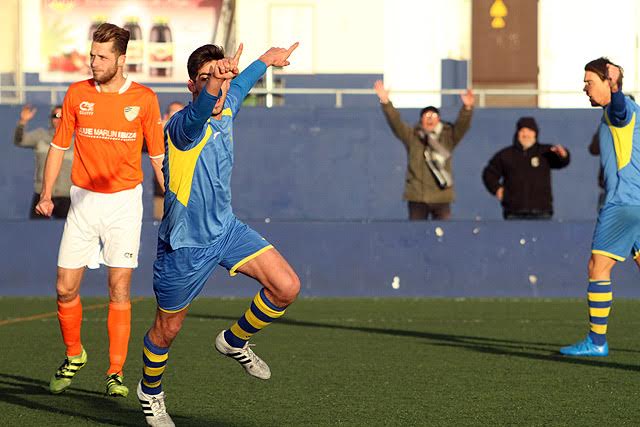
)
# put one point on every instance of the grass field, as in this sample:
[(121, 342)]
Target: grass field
[(356, 362)]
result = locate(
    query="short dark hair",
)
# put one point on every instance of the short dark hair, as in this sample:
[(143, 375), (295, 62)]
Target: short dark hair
[(108, 32), (53, 114), (429, 108), (599, 67), (202, 55)]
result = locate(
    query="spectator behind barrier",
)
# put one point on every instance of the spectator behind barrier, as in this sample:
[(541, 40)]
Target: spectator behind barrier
[(520, 175), (429, 188), (39, 141)]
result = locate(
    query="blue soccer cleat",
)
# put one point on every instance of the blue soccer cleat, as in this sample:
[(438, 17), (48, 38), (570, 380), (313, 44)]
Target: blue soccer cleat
[(586, 348)]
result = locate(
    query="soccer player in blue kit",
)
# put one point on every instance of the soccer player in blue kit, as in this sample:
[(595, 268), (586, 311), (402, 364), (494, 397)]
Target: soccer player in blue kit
[(199, 230), (617, 232)]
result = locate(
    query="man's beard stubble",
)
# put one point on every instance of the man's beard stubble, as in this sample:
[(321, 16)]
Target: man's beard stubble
[(107, 75)]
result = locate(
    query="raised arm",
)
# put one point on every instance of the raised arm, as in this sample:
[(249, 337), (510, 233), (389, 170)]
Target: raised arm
[(399, 128), (20, 137), (618, 111), (187, 125), (198, 112), (241, 85), (463, 121)]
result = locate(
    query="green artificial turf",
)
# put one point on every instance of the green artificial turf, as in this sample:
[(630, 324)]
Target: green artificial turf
[(356, 362)]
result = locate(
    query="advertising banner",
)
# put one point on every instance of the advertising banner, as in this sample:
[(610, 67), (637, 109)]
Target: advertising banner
[(162, 35)]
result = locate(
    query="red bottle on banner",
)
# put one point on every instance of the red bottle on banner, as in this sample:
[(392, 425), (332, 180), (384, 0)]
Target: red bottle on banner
[(160, 49), (135, 48)]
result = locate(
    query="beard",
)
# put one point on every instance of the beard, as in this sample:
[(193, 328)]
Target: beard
[(106, 75)]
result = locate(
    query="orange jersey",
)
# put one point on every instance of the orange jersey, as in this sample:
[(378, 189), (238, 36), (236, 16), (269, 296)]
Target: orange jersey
[(109, 128)]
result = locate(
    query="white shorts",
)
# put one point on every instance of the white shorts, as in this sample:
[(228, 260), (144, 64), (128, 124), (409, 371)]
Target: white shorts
[(102, 228)]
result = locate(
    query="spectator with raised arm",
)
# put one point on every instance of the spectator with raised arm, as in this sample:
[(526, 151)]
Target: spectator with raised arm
[(429, 186), (39, 140)]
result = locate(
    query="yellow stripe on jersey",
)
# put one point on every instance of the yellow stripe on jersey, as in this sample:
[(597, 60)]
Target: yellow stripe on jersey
[(156, 358), (622, 140), (600, 297), (227, 112), (182, 165)]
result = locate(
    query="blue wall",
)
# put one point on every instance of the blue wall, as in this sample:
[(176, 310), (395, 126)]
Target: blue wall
[(344, 164), (325, 186), (470, 259)]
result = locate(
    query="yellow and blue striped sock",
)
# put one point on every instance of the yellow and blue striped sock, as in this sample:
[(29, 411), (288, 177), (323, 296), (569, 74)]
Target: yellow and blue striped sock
[(600, 299), (154, 360), (261, 313)]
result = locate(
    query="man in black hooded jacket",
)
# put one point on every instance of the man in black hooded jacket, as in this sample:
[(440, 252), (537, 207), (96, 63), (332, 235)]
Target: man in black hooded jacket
[(520, 175)]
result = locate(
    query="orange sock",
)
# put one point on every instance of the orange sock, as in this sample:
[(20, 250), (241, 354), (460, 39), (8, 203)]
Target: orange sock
[(70, 318), (119, 326)]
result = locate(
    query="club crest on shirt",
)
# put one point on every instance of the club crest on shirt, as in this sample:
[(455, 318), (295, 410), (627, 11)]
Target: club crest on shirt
[(535, 161), (86, 108), (131, 112)]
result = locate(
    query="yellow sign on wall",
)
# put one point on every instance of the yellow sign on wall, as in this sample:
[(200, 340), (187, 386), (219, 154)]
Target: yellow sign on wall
[(498, 12)]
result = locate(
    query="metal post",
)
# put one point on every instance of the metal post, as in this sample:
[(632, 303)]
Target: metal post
[(338, 98), (269, 87), (19, 75), (482, 99)]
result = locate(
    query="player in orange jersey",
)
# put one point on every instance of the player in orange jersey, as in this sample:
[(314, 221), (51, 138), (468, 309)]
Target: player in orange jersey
[(110, 115)]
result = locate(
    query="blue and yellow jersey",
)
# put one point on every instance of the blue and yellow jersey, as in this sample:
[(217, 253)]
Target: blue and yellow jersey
[(197, 166), (620, 150)]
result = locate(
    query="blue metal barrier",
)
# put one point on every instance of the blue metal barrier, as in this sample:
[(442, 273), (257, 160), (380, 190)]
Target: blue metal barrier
[(445, 259)]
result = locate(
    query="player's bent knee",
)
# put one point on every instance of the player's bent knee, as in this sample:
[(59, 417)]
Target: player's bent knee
[(289, 289)]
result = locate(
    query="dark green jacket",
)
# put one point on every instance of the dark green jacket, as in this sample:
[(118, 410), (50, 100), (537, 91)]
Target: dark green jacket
[(420, 185), (39, 140)]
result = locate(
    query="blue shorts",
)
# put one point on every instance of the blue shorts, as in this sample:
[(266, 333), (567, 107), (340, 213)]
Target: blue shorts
[(617, 232), (180, 274)]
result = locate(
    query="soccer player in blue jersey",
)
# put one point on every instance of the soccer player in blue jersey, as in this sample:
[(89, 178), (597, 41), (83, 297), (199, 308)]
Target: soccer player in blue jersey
[(199, 230), (617, 232)]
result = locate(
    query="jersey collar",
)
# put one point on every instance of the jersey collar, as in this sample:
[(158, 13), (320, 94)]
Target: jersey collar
[(123, 89)]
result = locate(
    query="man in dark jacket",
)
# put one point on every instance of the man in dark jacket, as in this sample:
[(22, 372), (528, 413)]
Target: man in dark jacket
[(520, 175), (429, 188)]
